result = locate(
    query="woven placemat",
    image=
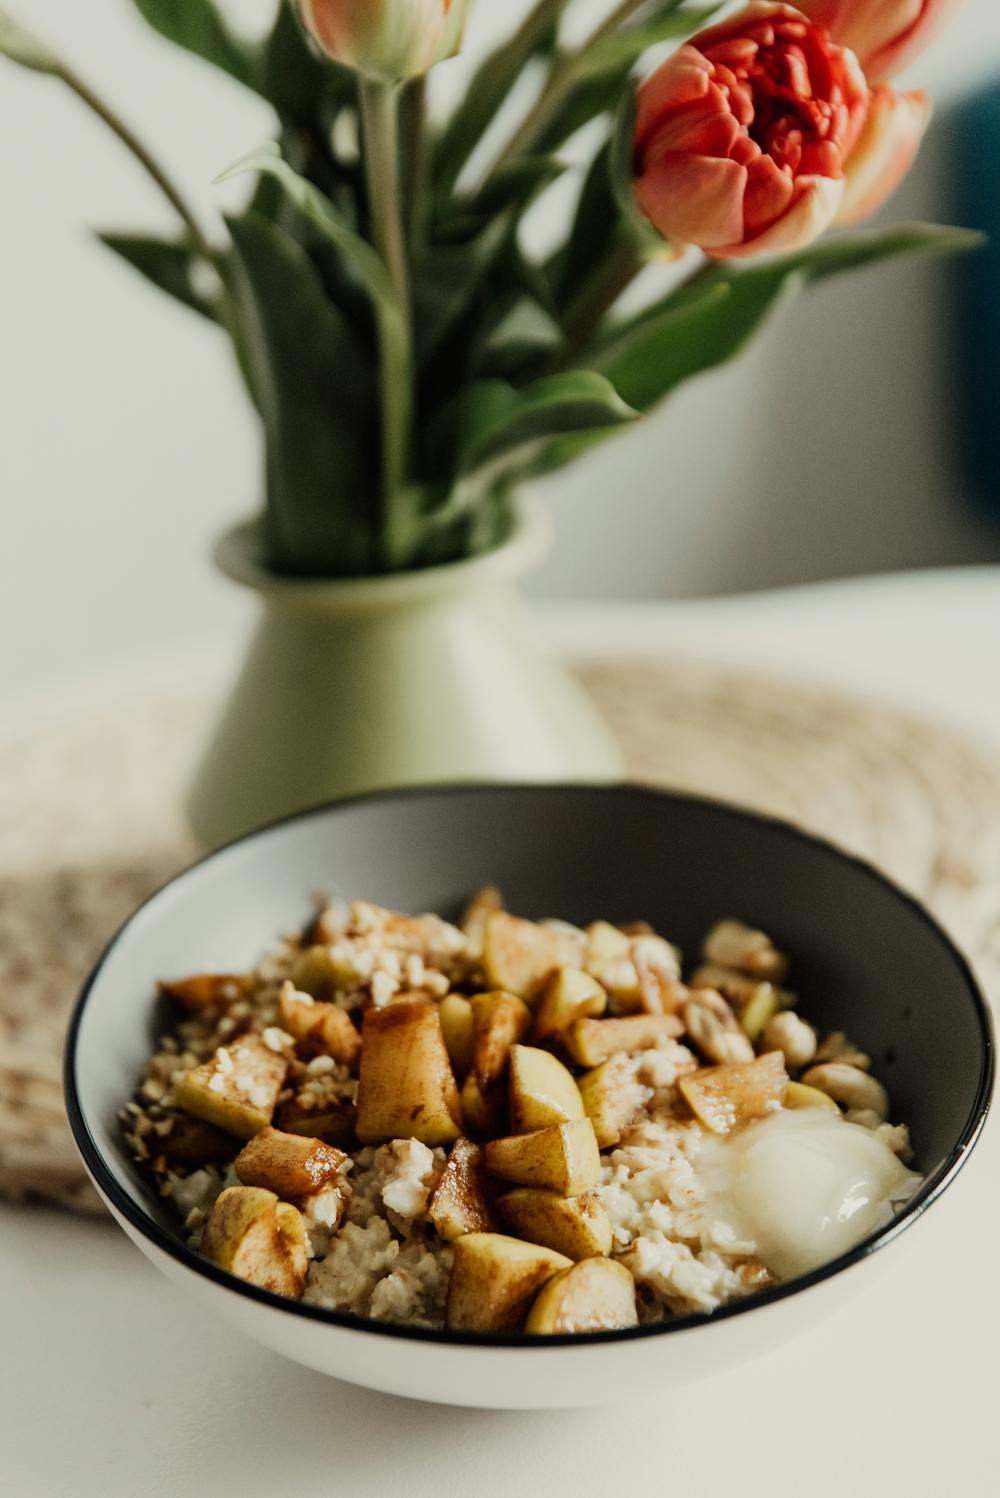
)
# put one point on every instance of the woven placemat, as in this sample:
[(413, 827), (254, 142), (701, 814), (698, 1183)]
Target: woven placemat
[(89, 827)]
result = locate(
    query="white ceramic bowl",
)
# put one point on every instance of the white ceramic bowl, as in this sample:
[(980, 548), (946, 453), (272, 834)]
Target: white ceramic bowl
[(868, 959)]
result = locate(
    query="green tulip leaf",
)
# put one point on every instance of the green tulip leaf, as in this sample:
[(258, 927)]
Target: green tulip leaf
[(617, 54), (23, 47), (293, 76), (495, 420), (199, 27), (364, 261), (710, 320), (171, 266), (317, 396), (490, 87)]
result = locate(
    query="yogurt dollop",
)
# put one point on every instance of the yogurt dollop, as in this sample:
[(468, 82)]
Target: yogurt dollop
[(804, 1184)]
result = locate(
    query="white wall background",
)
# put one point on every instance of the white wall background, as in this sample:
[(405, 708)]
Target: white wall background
[(127, 445)]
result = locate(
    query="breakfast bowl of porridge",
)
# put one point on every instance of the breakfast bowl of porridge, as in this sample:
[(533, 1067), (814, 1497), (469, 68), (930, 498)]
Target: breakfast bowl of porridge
[(526, 1096)]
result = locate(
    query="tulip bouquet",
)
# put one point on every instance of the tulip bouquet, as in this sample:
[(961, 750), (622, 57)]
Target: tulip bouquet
[(412, 360)]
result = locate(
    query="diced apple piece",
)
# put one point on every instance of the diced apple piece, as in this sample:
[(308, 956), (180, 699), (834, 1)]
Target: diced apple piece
[(334, 1125), (494, 1280), (758, 1011), (253, 1235), (518, 955), (192, 1141), (292, 1231), (606, 942), (326, 923), (736, 945), (798, 1095), (591, 1041), (457, 1028), (726, 1098), (562, 1158), (460, 1203), (568, 994), (293, 1166), (238, 1089), (658, 970), (406, 1088), (485, 1113), (314, 973), (484, 903), (576, 1226), (498, 1020), (737, 987), (204, 990), (542, 1091), (612, 1096), (320, 1029), (596, 1295)]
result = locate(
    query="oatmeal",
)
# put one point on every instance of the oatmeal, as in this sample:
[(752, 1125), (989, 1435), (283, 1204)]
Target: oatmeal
[(512, 1125)]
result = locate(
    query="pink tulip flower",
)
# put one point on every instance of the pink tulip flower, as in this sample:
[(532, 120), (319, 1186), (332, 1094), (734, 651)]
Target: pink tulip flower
[(386, 38), (742, 135), (886, 35), (886, 149)]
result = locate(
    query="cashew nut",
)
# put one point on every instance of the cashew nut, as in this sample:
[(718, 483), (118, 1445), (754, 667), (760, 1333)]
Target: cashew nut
[(849, 1086), (792, 1037), (736, 945), (712, 1027)]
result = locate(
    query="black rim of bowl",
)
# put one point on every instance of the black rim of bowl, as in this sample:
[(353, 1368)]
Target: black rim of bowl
[(173, 1246)]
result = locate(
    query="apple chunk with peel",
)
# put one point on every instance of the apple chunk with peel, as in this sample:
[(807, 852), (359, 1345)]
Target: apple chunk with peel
[(334, 1125), (320, 1029), (563, 1158), (568, 994), (518, 955), (576, 1226), (542, 1091), (293, 1166), (485, 1113), (253, 1235), (238, 1089), (498, 1020), (800, 1095), (726, 1098), (591, 1041), (460, 1203), (612, 1096), (596, 1295), (406, 1088), (494, 1280), (457, 1027), (204, 990)]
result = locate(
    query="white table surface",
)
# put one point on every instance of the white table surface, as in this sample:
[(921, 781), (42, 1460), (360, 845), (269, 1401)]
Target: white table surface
[(113, 1384)]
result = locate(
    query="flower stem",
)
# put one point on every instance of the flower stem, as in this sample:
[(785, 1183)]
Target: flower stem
[(561, 82), (145, 158), (597, 296), (380, 122)]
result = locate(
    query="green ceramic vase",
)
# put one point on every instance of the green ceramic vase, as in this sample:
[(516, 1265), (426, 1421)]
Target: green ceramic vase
[(414, 678)]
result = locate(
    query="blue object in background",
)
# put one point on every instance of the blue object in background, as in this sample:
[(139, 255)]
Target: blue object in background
[(974, 140)]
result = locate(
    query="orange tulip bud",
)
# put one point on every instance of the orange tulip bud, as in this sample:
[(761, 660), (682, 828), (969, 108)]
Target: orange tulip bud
[(886, 35), (886, 149), (386, 38), (741, 136)]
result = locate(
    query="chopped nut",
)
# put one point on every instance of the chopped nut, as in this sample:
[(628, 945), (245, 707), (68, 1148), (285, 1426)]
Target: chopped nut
[(714, 1029), (849, 1086), (736, 945), (791, 1036), (591, 1041), (837, 1047)]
